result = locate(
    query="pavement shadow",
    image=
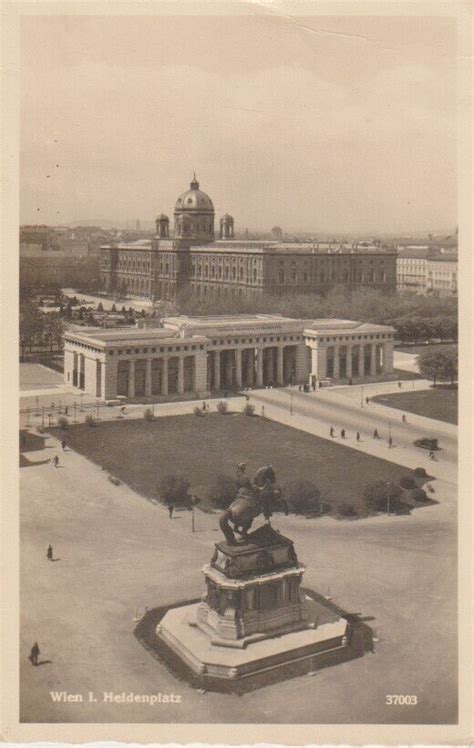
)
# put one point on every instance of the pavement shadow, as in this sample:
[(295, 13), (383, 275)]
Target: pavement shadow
[(31, 442), (25, 462)]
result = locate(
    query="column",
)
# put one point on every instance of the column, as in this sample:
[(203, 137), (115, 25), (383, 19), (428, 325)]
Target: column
[(180, 375), (148, 377), (250, 366), (217, 370), (373, 360), (131, 378), (259, 367), (349, 362), (238, 367), (164, 376), (336, 362), (280, 366), (361, 360), (388, 357)]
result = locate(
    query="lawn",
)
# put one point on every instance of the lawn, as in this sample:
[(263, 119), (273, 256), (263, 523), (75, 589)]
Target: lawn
[(140, 453), (440, 403)]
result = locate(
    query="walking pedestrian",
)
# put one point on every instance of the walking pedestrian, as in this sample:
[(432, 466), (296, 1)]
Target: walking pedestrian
[(34, 654), (170, 510), (66, 410), (343, 433), (404, 418), (358, 436), (49, 553), (263, 411), (376, 434), (331, 431), (204, 405), (390, 442), (367, 400), (399, 385), (56, 460), (63, 445)]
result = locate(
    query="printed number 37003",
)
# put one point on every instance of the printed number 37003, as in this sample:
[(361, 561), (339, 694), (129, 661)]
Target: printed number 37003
[(404, 700)]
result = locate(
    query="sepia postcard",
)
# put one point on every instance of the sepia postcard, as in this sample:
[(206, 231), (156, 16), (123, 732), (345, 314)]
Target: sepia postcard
[(237, 372)]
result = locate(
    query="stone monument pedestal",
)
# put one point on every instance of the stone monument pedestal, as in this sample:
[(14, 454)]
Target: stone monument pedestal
[(253, 616)]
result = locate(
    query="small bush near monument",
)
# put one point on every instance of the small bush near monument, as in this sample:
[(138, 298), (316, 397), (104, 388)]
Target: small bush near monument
[(222, 407), (222, 491), (174, 489), (419, 495), (89, 420), (420, 472), (344, 509), (63, 423), (381, 496), (148, 415), (198, 411), (303, 497), (249, 409)]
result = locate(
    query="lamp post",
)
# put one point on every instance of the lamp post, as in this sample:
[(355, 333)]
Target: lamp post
[(291, 403), (362, 396), (42, 418), (388, 498), (81, 396)]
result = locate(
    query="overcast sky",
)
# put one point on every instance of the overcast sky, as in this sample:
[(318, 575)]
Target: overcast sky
[(314, 123)]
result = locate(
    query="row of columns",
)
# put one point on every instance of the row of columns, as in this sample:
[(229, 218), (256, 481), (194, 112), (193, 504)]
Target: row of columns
[(250, 367), (148, 377), (361, 362)]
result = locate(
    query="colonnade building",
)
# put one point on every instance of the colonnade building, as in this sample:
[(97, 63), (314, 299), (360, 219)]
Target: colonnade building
[(199, 356), (194, 260)]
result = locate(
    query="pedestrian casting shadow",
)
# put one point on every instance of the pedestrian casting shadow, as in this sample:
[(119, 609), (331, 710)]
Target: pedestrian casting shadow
[(44, 662), (55, 559), (25, 462)]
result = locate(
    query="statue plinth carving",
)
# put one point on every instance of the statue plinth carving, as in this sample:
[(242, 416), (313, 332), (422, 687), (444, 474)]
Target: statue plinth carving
[(253, 590)]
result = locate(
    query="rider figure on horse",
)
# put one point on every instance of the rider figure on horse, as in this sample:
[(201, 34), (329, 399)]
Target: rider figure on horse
[(253, 498)]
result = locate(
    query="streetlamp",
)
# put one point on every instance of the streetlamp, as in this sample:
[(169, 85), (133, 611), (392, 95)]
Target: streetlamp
[(291, 403), (49, 420), (81, 396), (42, 418), (362, 396)]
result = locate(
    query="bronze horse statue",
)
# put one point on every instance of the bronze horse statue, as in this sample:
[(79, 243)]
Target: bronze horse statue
[(255, 497)]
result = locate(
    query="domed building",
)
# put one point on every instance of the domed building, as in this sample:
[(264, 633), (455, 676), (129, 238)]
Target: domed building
[(193, 261), (194, 216)]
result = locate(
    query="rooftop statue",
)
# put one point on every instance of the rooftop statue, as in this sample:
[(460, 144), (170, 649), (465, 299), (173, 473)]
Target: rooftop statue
[(255, 497)]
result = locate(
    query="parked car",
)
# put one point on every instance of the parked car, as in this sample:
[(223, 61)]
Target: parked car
[(426, 443)]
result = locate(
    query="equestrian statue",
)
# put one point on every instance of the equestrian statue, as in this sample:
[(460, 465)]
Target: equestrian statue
[(255, 497)]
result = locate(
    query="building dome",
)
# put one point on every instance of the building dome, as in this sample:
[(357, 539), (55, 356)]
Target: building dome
[(194, 216), (194, 200)]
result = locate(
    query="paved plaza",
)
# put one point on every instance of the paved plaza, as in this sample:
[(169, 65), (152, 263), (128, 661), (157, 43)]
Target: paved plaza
[(119, 553)]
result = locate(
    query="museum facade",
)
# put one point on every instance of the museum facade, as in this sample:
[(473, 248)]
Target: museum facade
[(194, 260), (200, 356)]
